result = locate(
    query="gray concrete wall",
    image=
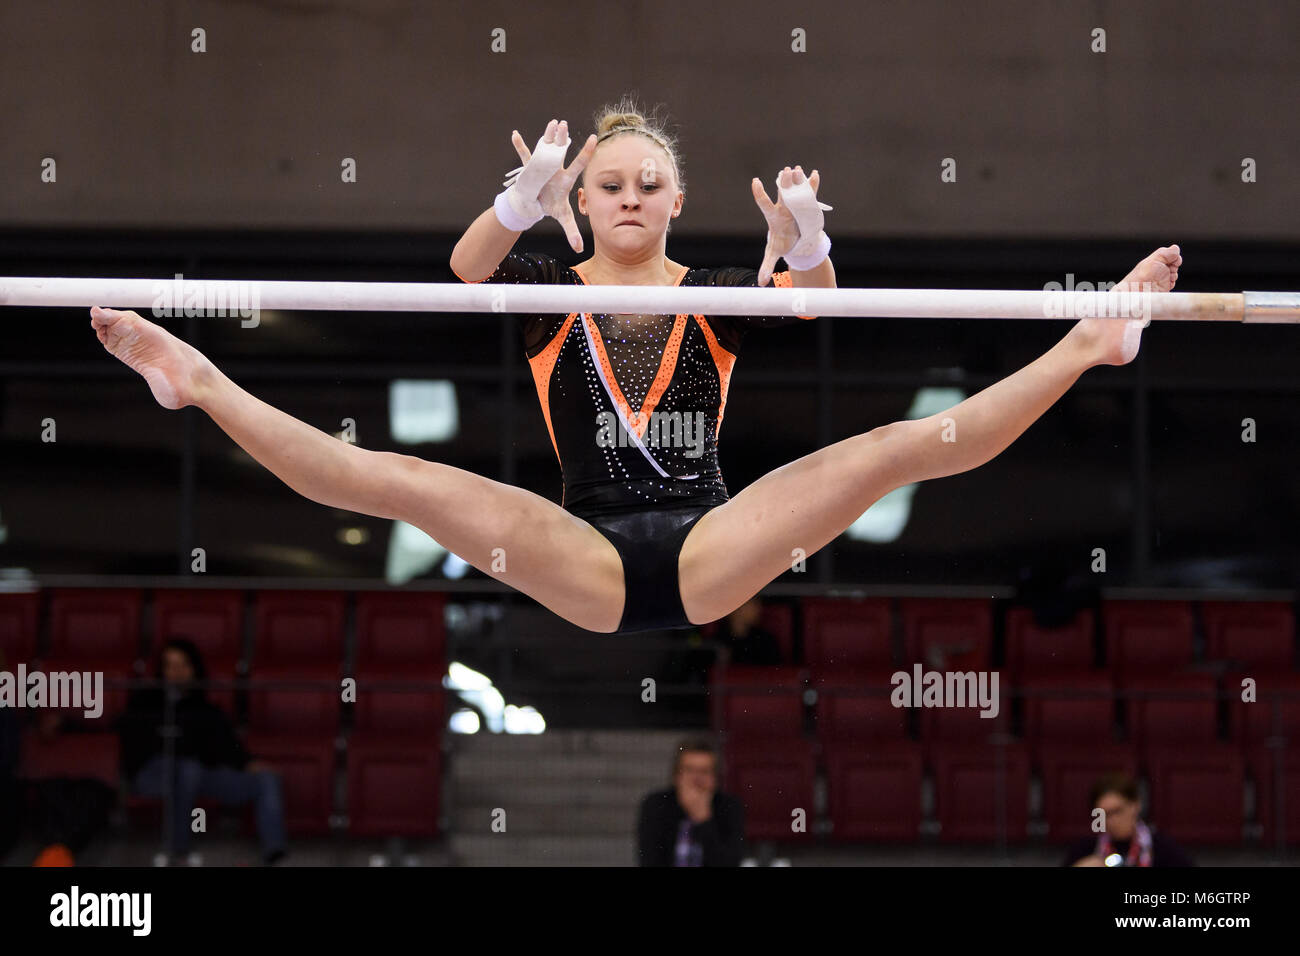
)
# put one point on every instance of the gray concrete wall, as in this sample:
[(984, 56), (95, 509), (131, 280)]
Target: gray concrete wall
[(1051, 139)]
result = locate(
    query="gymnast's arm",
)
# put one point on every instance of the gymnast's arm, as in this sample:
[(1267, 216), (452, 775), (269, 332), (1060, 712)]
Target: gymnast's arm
[(820, 276), (538, 188), (485, 243)]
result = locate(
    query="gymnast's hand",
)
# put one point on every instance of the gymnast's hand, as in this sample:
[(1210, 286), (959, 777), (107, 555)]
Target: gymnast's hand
[(553, 196), (782, 229)]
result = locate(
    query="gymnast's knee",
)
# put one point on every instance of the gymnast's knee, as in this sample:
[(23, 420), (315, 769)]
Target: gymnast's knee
[(893, 432), (894, 449)]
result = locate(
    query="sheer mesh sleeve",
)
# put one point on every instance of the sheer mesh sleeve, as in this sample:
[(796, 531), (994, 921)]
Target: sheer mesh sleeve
[(527, 267), (732, 328), (537, 269)]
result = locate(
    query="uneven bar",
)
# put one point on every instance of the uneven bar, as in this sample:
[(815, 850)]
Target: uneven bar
[(174, 294)]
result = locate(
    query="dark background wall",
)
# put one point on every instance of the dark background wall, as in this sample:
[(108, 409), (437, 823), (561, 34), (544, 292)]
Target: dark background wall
[(1050, 138)]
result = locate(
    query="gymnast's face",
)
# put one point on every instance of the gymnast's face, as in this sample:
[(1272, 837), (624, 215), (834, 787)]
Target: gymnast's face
[(629, 178)]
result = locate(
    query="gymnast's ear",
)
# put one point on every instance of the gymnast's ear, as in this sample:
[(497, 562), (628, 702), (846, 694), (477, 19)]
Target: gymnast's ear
[(582, 200)]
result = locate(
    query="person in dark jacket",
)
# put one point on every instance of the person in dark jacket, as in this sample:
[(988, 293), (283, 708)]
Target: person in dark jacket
[(1127, 839), (691, 823), (208, 760), (746, 640)]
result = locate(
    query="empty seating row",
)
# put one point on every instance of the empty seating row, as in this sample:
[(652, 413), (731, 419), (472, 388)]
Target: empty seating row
[(402, 631), (983, 793), (1136, 636), (772, 704), (398, 632)]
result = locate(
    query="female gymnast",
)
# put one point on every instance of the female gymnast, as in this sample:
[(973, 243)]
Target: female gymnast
[(646, 535)]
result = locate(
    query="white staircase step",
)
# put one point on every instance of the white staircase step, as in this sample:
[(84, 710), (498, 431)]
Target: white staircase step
[(520, 849), (558, 819), (589, 768)]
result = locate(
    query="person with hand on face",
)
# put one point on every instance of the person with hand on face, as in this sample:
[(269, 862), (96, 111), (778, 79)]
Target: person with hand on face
[(691, 823)]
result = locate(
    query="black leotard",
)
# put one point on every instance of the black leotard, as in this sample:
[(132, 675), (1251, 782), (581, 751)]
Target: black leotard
[(602, 379)]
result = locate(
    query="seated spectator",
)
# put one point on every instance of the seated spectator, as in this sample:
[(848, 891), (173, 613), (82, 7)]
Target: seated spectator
[(744, 640), (1127, 839), (63, 814), (1056, 591), (208, 759), (691, 823)]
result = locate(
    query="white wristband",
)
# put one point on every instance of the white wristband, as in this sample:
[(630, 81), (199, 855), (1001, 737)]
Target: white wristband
[(813, 259), (509, 217)]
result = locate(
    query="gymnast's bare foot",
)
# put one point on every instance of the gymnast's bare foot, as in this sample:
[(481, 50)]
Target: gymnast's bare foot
[(174, 370), (1114, 341)]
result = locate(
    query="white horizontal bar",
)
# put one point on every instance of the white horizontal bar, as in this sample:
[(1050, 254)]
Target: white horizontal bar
[(166, 297)]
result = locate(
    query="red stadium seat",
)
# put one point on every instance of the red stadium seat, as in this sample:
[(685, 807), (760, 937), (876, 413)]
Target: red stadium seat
[(96, 630), (1274, 713), (394, 789), (1197, 794), (1147, 636), (1250, 633), (1268, 775), (1068, 775), (400, 634), (295, 701), (213, 620), (306, 769), (18, 615), (975, 786), (1068, 711), (854, 708), (115, 677), (298, 647), (874, 791), (94, 624), (1175, 711), (777, 715), (844, 634), (778, 617), (944, 726), (763, 703), (954, 634), (774, 781), (1033, 650), (94, 755), (395, 714), (298, 627)]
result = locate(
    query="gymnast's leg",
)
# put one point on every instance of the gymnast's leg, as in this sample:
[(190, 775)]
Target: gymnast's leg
[(737, 548), (555, 558)]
